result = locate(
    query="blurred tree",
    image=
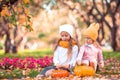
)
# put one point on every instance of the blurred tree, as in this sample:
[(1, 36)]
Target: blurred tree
[(98, 11), (14, 13), (88, 11)]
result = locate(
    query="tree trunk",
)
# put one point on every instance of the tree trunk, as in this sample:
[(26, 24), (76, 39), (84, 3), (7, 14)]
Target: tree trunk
[(113, 33), (7, 43), (17, 39), (115, 42), (7, 33), (118, 39), (14, 49), (102, 33)]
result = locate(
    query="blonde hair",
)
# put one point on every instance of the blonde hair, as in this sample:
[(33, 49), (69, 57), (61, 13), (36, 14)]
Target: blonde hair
[(69, 47), (96, 44)]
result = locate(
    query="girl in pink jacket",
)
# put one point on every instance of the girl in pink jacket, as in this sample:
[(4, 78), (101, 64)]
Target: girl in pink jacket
[(91, 53)]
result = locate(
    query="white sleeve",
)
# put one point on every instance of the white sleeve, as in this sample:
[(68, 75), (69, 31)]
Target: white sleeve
[(55, 57), (74, 56)]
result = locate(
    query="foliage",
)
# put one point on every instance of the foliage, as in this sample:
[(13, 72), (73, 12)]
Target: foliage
[(28, 62), (33, 73), (41, 35), (112, 66), (16, 13), (23, 67), (11, 73), (18, 73)]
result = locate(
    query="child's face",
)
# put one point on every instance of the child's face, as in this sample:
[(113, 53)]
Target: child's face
[(88, 40), (65, 36)]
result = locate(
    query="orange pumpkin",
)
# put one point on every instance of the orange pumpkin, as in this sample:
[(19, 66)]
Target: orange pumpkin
[(84, 71), (60, 73)]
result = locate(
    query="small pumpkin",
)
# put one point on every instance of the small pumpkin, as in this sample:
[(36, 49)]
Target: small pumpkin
[(84, 70), (60, 73)]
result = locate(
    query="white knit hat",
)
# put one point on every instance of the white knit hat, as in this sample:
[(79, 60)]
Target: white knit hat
[(67, 28)]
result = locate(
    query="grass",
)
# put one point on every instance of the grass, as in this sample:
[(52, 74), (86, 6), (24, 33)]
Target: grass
[(28, 53), (111, 54), (48, 52)]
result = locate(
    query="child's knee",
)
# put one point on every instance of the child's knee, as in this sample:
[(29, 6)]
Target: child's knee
[(49, 72), (93, 64), (85, 62)]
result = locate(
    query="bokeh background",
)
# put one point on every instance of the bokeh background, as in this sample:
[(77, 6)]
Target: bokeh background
[(29, 28), (47, 15)]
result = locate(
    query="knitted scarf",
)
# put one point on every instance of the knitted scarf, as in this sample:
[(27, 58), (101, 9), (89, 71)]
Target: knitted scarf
[(65, 44)]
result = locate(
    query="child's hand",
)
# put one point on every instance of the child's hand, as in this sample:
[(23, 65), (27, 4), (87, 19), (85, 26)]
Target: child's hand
[(78, 62), (58, 66), (66, 66), (101, 65)]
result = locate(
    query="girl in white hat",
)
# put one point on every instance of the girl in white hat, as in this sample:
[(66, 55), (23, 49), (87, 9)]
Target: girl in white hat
[(65, 52)]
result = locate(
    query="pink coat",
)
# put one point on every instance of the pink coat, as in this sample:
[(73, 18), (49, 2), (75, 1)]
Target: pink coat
[(90, 53)]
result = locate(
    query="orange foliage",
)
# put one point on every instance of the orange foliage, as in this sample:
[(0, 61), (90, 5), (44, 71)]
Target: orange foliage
[(17, 14), (26, 11), (5, 12), (31, 28), (10, 25), (26, 1), (22, 19)]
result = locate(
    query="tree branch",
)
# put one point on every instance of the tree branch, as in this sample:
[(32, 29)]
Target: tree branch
[(117, 6), (5, 2), (102, 16)]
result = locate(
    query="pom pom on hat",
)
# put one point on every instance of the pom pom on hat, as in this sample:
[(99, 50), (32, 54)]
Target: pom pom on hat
[(92, 31), (67, 28)]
